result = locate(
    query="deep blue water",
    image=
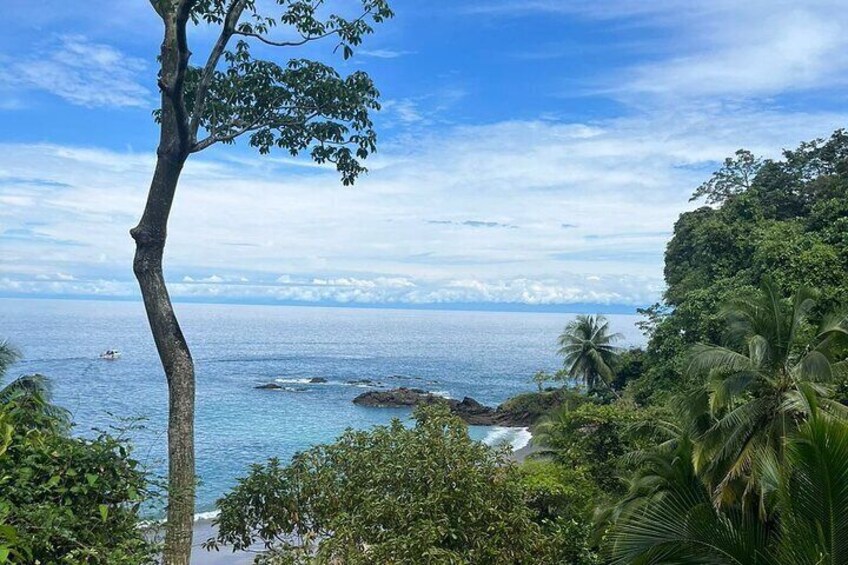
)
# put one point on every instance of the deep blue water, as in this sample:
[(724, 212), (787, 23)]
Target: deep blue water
[(487, 355)]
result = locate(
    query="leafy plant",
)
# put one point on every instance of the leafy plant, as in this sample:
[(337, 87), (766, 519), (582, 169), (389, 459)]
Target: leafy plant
[(426, 494), (756, 391), (63, 499)]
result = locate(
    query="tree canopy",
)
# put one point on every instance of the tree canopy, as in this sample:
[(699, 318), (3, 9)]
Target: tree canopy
[(783, 220)]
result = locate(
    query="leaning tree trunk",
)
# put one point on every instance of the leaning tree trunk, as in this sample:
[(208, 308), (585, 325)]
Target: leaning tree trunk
[(175, 356)]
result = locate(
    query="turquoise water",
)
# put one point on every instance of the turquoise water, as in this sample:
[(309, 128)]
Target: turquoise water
[(487, 355)]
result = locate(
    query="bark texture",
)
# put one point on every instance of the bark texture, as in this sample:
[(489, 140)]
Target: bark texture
[(150, 235)]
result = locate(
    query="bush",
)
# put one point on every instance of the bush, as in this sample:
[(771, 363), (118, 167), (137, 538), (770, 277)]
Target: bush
[(427, 494), (69, 500), (591, 436), (563, 500)]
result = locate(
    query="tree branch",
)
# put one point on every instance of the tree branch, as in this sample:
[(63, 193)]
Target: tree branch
[(156, 8), (234, 13), (254, 125), (306, 38), (176, 95)]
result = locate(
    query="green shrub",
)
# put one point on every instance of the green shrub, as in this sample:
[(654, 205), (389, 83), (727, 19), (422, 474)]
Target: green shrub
[(63, 500), (563, 500), (70, 500), (591, 436), (427, 494)]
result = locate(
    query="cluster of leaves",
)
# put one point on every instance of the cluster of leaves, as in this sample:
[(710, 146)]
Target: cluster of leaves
[(591, 436), (426, 494), (64, 499), (783, 220), (296, 105), (563, 499), (745, 462)]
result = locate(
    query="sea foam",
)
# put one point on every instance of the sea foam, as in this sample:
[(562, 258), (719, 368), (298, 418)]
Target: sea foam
[(514, 437)]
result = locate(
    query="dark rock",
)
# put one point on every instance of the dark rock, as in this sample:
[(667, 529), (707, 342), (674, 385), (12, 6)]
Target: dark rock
[(396, 397), (405, 378), (269, 386), (468, 409), (368, 382), (317, 380)]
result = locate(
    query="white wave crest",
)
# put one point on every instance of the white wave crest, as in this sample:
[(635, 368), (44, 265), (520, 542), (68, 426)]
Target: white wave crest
[(516, 438), (204, 516)]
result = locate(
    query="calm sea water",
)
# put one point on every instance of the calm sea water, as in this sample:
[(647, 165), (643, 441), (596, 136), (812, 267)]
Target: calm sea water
[(487, 355)]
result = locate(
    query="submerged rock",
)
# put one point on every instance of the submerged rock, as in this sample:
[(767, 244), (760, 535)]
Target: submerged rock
[(269, 386), (468, 409), (317, 380), (365, 382)]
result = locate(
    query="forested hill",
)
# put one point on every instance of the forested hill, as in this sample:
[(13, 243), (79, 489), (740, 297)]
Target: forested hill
[(785, 219)]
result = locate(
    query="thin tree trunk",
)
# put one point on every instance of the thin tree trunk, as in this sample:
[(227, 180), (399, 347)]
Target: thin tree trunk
[(149, 236), (174, 353)]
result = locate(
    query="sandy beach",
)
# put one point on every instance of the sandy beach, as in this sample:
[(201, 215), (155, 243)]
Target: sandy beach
[(203, 530)]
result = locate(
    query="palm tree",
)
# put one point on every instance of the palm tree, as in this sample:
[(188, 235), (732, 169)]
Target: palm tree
[(8, 357), (28, 397), (586, 345), (669, 517), (755, 388)]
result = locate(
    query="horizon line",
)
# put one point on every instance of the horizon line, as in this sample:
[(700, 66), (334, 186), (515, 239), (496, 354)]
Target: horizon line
[(506, 307)]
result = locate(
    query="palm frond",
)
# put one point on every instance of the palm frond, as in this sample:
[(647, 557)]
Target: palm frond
[(30, 396), (813, 367), (707, 358), (815, 505), (9, 355)]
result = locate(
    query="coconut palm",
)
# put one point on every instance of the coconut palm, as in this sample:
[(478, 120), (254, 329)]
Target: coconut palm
[(28, 396), (755, 388), (8, 357), (669, 517), (588, 352)]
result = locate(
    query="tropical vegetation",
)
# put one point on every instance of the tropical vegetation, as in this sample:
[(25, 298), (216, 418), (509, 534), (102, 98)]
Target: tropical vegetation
[(723, 441), (64, 499), (389, 495), (588, 352)]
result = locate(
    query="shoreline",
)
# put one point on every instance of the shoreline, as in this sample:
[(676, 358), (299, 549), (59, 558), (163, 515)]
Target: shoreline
[(204, 529)]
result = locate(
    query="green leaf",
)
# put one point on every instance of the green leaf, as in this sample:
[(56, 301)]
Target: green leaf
[(104, 511), (91, 479)]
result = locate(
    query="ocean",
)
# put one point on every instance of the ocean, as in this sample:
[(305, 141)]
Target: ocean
[(489, 356)]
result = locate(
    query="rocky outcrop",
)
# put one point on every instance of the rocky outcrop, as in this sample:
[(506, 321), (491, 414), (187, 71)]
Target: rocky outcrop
[(397, 397), (317, 380), (269, 386), (468, 409)]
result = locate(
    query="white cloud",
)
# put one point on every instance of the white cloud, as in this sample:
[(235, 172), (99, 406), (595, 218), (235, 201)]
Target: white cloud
[(618, 183), (786, 51), (81, 72), (720, 48), (384, 53), (380, 290)]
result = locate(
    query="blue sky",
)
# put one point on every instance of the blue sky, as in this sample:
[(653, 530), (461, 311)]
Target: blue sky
[(531, 152)]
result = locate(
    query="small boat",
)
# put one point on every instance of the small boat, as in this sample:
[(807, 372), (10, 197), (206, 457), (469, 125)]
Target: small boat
[(110, 354)]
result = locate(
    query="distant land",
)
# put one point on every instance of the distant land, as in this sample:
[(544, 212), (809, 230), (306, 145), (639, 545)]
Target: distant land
[(576, 308)]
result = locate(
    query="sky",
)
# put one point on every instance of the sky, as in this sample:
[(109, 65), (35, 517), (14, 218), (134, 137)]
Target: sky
[(531, 153)]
